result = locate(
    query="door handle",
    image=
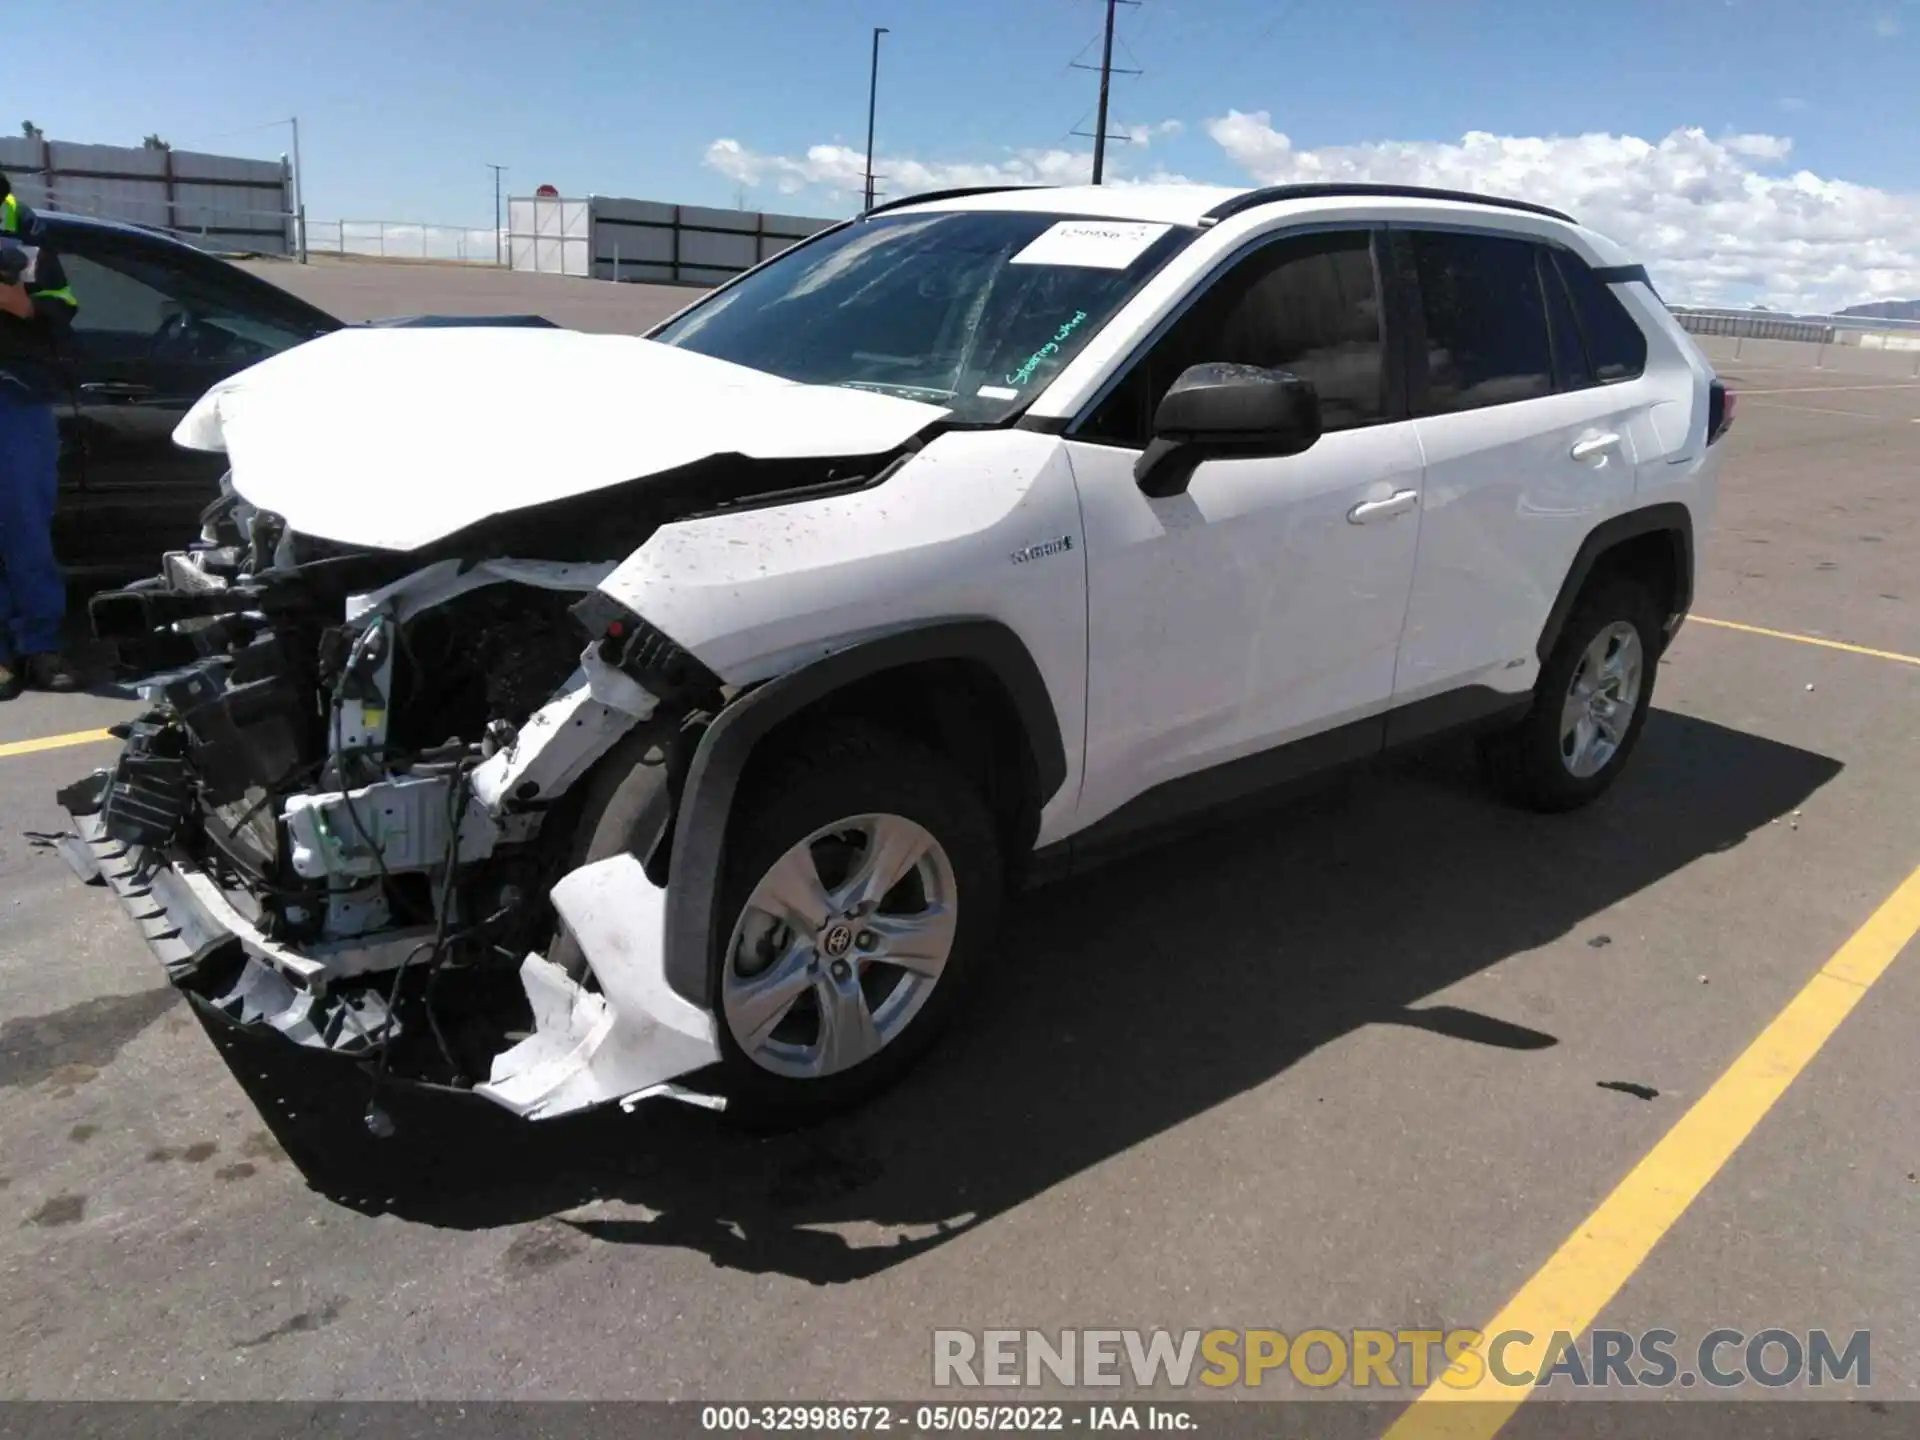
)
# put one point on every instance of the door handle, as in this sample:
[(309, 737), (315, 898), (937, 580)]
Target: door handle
[(1592, 445), (116, 390), (1398, 503)]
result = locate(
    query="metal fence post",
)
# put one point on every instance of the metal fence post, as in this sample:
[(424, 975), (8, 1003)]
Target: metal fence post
[(1738, 341), (616, 262)]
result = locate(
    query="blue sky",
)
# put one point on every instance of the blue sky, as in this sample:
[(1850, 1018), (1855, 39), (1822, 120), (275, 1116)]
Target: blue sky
[(402, 103)]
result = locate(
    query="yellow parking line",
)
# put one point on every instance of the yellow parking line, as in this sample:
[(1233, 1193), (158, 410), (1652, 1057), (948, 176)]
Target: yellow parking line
[(52, 742), (1809, 640), (1568, 1292)]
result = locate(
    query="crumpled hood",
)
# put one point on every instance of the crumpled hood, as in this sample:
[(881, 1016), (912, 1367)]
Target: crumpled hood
[(397, 438)]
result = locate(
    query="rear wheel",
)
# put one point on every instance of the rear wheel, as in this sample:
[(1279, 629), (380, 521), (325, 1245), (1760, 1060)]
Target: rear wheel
[(1589, 705), (864, 881)]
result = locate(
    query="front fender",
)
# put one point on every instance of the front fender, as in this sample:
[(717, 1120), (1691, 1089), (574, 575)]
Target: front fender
[(698, 857)]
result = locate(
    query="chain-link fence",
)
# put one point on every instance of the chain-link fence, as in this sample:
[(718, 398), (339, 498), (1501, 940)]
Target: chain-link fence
[(406, 240)]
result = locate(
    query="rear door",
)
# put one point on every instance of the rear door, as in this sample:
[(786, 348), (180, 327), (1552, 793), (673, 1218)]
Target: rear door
[(157, 325), (1528, 441)]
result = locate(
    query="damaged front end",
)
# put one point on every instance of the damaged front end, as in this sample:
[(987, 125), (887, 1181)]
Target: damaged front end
[(350, 813)]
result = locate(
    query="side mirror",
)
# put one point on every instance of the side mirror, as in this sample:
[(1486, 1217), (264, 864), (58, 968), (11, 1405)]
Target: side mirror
[(1214, 410)]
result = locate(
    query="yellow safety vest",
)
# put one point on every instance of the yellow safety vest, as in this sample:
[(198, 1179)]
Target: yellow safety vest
[(10, 225)]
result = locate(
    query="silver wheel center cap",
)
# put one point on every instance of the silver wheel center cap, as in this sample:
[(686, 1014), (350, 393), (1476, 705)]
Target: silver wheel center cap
[(836, 941)]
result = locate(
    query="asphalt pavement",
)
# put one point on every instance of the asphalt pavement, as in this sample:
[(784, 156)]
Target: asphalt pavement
[(352, 288), (1370, 1061)]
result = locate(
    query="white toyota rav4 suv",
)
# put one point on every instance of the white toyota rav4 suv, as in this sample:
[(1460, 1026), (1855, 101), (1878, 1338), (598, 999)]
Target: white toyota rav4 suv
[(574, 718)]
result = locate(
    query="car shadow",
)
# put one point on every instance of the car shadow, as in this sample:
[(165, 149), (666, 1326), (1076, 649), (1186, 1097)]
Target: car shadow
[(1121, 1004)]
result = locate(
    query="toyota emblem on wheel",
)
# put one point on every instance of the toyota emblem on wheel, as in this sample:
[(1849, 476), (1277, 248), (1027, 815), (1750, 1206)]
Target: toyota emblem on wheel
[(837, 941)]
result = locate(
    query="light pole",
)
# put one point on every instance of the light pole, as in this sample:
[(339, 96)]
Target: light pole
[(496, 211), (873, 91), (299, 200)]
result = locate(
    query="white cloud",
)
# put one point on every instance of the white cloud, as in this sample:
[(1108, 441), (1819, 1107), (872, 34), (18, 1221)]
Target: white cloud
[(842, 169), (1723, 220), (1142, 135), (1886, 26), (1713, 219), (1759, 147)]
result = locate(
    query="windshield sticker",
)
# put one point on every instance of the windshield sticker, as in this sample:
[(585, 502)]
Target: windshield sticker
[(997, 392), (1091, 244), (1040, 356)]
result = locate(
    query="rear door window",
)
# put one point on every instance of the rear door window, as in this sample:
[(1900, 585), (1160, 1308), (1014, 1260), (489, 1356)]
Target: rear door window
[(1486, 321), (1615, 341)]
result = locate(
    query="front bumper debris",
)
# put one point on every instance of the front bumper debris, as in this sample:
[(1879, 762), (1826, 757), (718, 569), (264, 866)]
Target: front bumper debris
[(348, 833), (198, 934), (632, 1036), (623, 1041)]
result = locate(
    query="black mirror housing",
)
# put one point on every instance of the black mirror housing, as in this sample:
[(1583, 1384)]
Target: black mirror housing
[(1222, 409)]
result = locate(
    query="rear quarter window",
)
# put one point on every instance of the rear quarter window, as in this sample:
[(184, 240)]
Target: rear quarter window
[(1616, 345)]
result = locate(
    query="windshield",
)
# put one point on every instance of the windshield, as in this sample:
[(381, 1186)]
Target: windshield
[(973, 310)]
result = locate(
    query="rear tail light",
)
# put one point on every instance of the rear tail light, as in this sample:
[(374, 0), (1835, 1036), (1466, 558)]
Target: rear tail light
[(1720, 408)]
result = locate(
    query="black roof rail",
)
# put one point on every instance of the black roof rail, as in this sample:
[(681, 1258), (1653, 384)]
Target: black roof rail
[(959, 192), (1334, 190)]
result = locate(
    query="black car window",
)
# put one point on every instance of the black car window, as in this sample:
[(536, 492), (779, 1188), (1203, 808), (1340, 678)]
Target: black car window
[(1571, 368), (976, 311), (1614, 339), (133, 307), (1486, 321), (1309, 304)]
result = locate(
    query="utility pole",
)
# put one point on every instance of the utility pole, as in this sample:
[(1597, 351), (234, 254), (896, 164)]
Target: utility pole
[(1107, 72), (1106, 80), (873, 92), (496, 212)]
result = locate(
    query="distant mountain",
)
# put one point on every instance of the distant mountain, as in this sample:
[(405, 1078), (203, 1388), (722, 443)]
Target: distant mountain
[(1887, 310)]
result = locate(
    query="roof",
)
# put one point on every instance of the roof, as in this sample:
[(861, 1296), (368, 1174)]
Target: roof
[(1166, 204), (1187, 204), (97, 222)]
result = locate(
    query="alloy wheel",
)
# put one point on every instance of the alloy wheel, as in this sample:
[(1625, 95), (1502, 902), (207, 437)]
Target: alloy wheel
[(839, 946), (1601, 699)]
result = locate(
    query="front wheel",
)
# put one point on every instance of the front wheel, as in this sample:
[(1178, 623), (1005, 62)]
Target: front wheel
[(863, 882), (1589, 705)]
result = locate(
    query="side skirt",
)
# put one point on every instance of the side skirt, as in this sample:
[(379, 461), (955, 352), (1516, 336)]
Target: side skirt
[(1259, 782)]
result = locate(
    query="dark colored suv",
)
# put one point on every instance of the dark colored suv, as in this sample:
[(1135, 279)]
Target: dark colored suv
[(159, 323)]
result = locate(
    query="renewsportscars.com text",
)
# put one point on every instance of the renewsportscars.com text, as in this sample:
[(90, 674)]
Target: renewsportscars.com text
[(1460, 1359)]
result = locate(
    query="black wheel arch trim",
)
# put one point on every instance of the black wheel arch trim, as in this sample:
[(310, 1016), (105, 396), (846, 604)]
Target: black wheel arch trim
[(1668, 517), (706, 802)]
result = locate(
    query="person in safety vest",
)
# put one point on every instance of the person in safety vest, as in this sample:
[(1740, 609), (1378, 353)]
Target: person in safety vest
[(36, 314)]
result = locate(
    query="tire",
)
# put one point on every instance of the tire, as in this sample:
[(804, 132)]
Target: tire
[(804, 831), (1542, 765)]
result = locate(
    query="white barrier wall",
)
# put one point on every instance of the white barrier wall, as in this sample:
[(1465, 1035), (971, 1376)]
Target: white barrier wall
[(611, 238), (223, 202)]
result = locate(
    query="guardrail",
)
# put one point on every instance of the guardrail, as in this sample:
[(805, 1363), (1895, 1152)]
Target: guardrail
[(1752, 326)]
